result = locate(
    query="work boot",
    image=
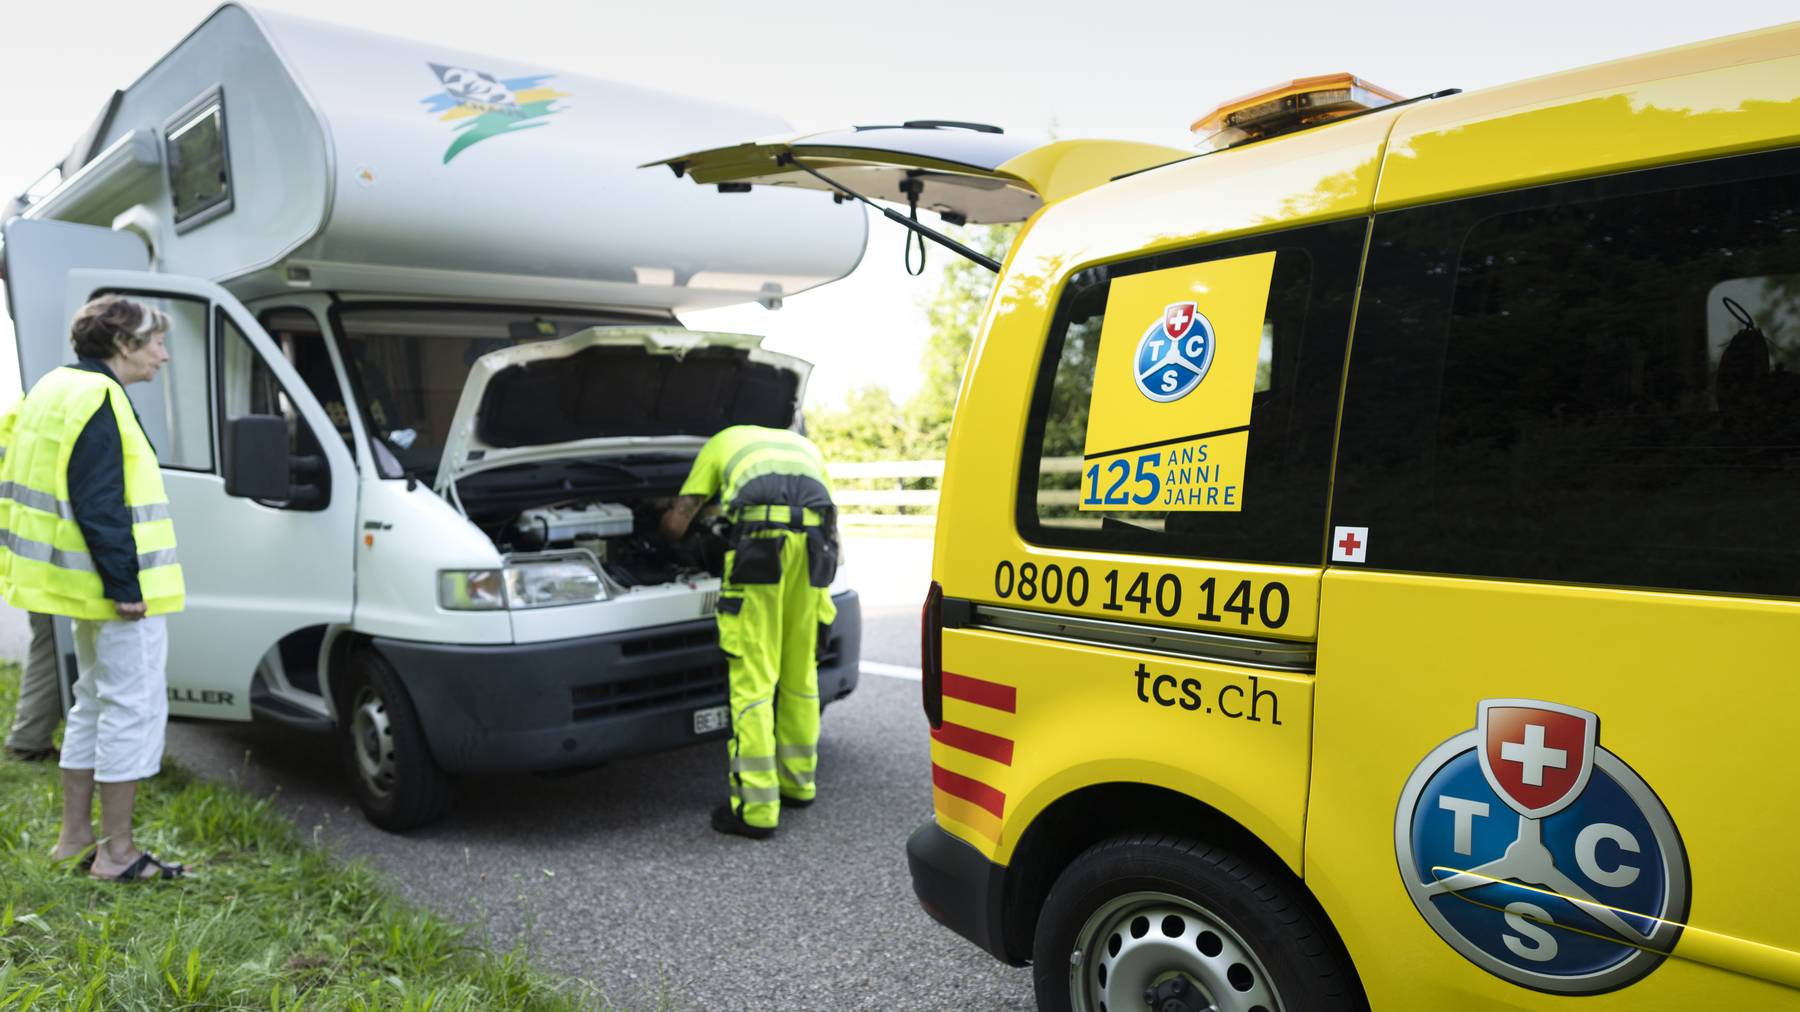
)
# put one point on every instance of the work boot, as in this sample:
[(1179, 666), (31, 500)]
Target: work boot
[(726, 820), (793, 802)]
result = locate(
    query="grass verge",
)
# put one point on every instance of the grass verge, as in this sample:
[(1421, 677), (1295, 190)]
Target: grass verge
[(270, 922)]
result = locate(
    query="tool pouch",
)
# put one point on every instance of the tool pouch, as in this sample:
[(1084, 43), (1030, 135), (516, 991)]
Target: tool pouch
[(756, 560)]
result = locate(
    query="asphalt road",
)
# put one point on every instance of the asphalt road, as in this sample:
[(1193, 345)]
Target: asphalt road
[(614, 876)]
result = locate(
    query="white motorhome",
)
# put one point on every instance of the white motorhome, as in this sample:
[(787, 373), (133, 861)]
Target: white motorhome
[(428, 391)]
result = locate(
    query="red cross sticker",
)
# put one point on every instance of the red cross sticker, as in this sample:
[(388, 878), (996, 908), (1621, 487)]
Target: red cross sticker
[(1349, 544)]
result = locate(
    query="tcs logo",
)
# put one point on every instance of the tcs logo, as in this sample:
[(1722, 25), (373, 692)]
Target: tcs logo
[(1540, 856), (1174, 354)]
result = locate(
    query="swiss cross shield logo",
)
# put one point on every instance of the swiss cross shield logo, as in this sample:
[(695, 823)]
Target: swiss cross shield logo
[(1178, 319), (1537, 756)]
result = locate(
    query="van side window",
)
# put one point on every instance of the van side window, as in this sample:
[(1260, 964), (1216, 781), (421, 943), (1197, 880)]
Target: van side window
[(247, 386), (1285, 372), (1594, 382), (302, 342)]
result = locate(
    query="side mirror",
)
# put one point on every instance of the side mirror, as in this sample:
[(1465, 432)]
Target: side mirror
[(256, 457)]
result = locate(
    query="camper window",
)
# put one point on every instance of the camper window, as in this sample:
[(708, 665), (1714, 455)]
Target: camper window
[(199, 166)]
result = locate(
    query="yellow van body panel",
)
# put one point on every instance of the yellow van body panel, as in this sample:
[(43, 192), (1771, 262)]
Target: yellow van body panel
[(1061, 169), (1079, 721), (1676, 680), (1701, 101)]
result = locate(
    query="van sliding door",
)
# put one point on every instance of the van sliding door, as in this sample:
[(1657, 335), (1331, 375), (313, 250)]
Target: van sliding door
[(1556, 687)]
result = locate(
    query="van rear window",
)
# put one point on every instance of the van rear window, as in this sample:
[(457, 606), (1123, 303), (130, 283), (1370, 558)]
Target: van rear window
[(1595, 382), (1186, 401)]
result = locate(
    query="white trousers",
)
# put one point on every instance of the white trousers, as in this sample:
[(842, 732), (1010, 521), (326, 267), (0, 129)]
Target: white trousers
[(121, 699)]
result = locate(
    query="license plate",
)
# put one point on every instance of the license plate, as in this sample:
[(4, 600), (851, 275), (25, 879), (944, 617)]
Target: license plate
[(713, 718)]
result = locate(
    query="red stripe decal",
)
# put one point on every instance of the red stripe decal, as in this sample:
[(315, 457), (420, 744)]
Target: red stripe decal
[(974, 690), (981, 743), (968, 789)]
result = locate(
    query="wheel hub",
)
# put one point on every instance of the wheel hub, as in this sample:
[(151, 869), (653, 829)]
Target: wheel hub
[(1165, 953), (372, 737), (1176, 994)]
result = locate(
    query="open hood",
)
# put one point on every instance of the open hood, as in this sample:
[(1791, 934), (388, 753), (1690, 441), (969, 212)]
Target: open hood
[(616, 389), (971, 173)]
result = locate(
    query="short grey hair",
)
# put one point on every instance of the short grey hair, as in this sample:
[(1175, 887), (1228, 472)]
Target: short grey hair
[(110, 324)]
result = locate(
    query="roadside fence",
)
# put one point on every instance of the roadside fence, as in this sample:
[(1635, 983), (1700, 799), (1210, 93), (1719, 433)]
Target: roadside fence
[(904, 493)]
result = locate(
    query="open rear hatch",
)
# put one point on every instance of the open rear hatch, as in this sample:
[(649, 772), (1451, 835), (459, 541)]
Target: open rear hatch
[(968, 173)]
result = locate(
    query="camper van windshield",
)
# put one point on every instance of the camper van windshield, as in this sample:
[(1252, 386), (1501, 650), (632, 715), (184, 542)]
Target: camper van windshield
[(408, 364)]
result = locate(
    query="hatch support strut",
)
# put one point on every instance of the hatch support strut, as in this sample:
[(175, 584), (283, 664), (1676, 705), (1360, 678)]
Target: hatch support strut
[(787, 158)]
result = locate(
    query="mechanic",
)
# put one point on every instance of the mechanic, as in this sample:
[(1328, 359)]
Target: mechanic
[(773, 607)]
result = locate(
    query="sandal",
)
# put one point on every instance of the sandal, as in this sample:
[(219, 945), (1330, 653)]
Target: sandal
[(135, 871)]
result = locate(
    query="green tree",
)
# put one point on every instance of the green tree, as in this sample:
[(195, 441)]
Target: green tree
[(868, 426)]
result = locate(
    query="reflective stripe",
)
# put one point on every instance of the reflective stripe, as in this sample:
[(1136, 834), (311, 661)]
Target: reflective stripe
[(740, 716), (775, 448), (81, 562), (779, 515), (757, 795), (799, 778), (753, 764), (797, 751), (40, 501), (38, 551), (44, 502), (160, 557)]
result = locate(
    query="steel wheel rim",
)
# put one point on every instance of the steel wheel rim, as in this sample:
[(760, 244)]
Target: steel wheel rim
[(1114, 965), (372, 739)]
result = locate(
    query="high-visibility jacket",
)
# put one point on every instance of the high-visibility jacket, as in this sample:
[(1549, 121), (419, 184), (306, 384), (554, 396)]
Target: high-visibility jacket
[(45, 565), (769, 479)]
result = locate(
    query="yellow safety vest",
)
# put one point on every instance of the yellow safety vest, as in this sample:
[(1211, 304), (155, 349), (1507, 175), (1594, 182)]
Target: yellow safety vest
[(45, 565)]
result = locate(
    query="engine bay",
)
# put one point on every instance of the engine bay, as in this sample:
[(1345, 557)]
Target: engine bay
[(624, 540)]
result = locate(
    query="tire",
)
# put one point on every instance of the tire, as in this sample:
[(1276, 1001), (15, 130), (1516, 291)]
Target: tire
[(390, 767), (1189, 925)]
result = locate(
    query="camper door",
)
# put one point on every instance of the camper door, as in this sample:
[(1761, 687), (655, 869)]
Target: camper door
[(266, 578)]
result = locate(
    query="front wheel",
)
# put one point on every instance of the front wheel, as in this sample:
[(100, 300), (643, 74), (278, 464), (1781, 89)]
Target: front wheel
[(1165, 923), (396, 780)]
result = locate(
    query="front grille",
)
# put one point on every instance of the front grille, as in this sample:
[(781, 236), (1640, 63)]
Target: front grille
[(608, 699), (705, 637)]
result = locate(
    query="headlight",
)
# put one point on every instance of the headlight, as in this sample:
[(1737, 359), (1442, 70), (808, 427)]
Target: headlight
[(472, 589), (549, 583)]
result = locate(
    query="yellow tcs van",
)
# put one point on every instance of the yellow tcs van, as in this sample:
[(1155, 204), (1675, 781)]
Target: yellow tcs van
[(1368, 562)]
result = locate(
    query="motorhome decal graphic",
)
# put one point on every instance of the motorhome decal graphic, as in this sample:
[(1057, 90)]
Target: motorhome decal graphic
[(481, 105)]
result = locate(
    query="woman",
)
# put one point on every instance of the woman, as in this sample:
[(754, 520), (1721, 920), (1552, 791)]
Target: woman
[(88, 536)]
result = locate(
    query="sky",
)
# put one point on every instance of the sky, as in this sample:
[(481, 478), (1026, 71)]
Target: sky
[(1130, 69)]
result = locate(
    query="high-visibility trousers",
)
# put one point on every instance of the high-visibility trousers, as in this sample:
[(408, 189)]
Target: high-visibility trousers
[(769, 630)]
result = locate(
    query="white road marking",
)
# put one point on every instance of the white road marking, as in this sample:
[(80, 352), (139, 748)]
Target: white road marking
[(890, 670)]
